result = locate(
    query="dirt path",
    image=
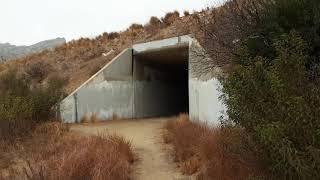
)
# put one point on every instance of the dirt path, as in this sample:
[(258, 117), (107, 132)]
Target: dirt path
[(154, 162)]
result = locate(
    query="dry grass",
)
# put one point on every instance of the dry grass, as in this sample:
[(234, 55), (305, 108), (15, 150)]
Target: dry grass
[(90, 119), (115, 117), (94, 118), (15, 129), (211, 153), (84, 119), (51, 129), (54, 153)]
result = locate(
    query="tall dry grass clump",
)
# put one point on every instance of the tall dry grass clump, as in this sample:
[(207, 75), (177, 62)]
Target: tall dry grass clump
[(94, 118), (84, 119), (210, 152), (62, 155), (53, 152)]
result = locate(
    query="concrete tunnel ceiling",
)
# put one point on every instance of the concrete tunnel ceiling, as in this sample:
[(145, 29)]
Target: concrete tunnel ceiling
[(170, 55)]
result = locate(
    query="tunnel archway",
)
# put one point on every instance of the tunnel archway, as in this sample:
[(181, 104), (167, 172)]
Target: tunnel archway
[(161, 81)]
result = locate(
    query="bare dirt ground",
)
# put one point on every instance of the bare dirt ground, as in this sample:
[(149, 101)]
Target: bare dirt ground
[(154, 162)]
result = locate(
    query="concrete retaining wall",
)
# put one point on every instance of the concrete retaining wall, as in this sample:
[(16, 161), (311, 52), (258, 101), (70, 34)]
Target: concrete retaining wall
[(204, 88), (107, 93), (205, 105)]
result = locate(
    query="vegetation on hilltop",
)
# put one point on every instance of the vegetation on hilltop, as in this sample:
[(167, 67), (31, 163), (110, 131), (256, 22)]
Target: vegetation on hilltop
[(79, 59)]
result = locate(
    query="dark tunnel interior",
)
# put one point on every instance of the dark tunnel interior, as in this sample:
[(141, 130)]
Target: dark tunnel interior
[(161, 87)]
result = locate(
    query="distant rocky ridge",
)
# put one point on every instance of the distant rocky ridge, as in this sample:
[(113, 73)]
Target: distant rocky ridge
[(8, 51)]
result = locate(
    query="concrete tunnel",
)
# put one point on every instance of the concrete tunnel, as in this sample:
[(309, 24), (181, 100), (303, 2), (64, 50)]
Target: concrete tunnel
[(162, 81), (154, 79)]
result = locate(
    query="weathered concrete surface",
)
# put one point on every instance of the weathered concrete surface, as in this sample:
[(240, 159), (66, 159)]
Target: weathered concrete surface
[(107, 93), (205, 104), (154, 79), (161, 44), (204, 88), (154, 160)]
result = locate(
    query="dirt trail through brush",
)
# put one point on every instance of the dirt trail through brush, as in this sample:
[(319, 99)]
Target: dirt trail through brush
[(154, 162)]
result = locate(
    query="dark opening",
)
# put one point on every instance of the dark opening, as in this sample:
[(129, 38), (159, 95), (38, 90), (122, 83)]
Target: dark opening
[(161, 82)]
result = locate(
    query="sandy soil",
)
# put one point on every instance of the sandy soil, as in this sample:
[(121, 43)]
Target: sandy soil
[(154, 162)]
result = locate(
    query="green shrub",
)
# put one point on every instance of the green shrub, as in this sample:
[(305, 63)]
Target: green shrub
[(153, 25), (273, 89), (38, 70), (22, 105), (136, 26), (186, 13), (170, 17), (113, 35), (154, 21)]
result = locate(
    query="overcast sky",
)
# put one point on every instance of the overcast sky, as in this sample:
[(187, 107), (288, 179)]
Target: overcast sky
[(24, 22)]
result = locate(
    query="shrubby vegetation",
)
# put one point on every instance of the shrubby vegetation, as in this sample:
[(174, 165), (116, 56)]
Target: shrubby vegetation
[(273, 88), (23, 105), (33, 145), (170, 17), (211, 153)]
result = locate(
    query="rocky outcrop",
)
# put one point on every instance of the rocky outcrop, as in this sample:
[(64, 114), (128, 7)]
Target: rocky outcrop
[(8, 51)]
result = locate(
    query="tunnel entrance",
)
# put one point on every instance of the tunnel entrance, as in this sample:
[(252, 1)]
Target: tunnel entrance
[(151, 79), (161, 82)]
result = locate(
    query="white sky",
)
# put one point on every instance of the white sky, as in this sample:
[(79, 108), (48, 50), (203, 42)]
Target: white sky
[(24, 22)]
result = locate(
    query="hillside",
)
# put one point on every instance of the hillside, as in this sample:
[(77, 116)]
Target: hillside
[(268, 88), (77, 60), (8, 51)]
